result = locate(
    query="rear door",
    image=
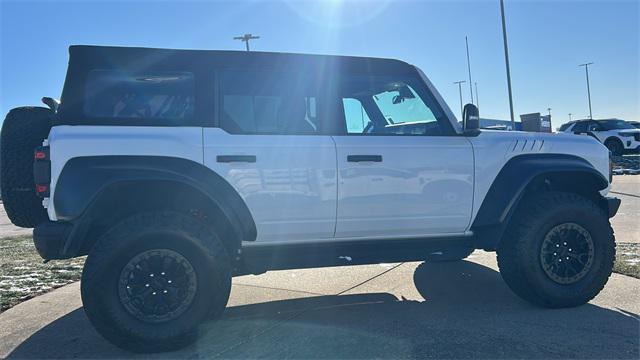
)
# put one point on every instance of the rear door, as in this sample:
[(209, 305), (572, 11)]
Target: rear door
[(271, 148), (402, 171)]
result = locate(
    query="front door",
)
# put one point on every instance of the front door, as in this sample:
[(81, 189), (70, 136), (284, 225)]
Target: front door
[(401, 171)]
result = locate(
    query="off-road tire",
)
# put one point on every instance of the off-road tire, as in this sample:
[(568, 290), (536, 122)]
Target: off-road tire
[(450, 255), (615, 146), (178, 232), (23, 130), (519, 252)]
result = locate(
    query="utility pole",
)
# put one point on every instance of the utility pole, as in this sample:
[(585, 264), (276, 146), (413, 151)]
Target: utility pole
[(246, 38), (549, 110), (477, 96), (586, 70), (459, 83), (506, 58), (466, 41)]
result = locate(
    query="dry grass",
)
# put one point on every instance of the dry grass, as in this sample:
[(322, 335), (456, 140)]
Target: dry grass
[(23, 274)]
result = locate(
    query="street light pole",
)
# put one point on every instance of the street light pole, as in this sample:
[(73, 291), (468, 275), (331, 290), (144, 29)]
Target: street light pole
[(569, 116), (586, 70), (459, 83), (466, 41), (506, 58), (246, 38), (477, 96)]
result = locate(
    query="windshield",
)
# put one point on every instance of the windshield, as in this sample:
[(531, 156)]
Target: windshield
[(615, 124)]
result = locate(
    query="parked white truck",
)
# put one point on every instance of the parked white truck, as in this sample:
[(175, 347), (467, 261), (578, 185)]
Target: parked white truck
[(175, 170)]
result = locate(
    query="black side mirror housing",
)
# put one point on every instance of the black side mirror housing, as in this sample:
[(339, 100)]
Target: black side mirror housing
[(52, 103), (470, 118)]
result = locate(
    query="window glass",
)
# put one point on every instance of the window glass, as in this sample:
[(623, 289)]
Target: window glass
[(355, 115), (386, 107), (265, 102), (128, 95), (593, 126), (580, 127)]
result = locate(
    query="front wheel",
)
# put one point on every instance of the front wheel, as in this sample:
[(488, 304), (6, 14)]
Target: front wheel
[(558, 250), (152, 279), (615, 146)]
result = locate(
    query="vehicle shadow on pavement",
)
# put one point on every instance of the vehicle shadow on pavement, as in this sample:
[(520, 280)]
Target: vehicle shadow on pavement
[(467, 312)]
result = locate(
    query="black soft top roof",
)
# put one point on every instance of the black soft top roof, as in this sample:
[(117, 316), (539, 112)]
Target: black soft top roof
[(202, 64), (88, 56)]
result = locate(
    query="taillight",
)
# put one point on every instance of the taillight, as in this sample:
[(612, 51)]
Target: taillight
[(42, 171)]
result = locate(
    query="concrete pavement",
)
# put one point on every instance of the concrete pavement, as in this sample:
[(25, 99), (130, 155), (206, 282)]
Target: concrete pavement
[(409, 310), (627, 222)]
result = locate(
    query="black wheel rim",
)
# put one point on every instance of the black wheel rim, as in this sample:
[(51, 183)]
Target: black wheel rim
[(567, 253), (157, 285)]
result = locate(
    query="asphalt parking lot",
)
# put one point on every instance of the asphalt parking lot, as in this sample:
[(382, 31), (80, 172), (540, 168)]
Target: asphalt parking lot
[(407, 310)]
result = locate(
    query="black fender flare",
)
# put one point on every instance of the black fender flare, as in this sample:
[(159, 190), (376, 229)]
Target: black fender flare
[(84, 180), (510, 185)]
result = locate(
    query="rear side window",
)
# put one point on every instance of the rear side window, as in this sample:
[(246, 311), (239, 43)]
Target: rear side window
[(156, 96), (268, 102)]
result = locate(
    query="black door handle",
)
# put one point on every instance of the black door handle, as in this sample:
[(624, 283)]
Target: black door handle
[(364, 158), (236, 158)]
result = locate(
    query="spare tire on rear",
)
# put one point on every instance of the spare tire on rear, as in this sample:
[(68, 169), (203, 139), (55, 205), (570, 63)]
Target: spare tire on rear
[(23, 130)]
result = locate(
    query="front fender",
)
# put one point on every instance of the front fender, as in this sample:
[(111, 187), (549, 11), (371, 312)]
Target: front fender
[(516, 176)]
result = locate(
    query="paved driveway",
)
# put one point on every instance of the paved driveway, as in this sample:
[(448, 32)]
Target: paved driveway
[(409, 310)]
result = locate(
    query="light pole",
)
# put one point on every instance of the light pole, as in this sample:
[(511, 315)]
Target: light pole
[(506, 58), (459, 83), (586, 71), (477, 96), (246, 38), (466, 41), (569, 116), (549, 110)]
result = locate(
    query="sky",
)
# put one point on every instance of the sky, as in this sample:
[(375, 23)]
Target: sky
[(547, 42)]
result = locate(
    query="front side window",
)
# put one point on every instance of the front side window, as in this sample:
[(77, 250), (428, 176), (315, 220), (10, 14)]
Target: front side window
[(387, 107), (160, 96), (268, 102), (580, 127)]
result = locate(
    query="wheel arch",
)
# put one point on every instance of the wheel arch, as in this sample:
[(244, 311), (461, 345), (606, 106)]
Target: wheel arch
[(528, 173), (94, 193)]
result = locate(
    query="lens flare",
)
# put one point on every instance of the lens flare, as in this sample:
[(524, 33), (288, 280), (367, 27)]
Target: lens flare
[(338, 13)]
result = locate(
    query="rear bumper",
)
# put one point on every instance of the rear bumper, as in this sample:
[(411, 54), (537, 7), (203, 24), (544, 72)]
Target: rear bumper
[(612, 205), (50, 238)]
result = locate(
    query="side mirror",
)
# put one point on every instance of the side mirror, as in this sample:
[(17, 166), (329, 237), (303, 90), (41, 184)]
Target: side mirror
[(52, 103), (470, 117)]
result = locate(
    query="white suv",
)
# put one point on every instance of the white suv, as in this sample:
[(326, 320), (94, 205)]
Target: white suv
[(175, 170), (618, 136)]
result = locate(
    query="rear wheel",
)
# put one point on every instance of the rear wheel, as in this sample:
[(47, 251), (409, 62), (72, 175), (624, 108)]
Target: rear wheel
[(615, 146), (152, 279), (558, 250), (23, 130)]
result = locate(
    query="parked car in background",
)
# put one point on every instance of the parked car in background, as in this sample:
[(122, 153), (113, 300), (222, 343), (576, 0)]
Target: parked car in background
[(635, 124), (617, 135)]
